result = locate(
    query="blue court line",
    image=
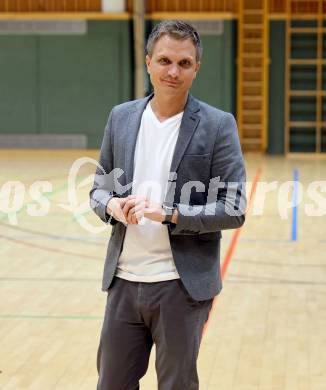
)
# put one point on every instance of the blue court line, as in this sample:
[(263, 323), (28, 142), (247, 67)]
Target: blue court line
[(294, 230)]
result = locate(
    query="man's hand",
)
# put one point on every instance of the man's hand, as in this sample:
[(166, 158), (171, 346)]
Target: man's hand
[(155, 212), (134, 209), (115, 209)]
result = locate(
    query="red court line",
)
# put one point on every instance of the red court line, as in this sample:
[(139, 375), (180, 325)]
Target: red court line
[(233, 244)]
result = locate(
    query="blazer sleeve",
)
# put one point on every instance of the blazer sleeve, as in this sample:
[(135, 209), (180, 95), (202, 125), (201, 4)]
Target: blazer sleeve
[(102, 191), (226, 200)]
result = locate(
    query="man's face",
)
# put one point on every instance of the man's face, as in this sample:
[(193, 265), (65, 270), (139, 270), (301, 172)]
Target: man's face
[(172, 66)]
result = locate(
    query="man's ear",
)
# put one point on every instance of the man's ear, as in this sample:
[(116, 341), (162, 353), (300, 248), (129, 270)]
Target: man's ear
[(148, 61), (197, 67)]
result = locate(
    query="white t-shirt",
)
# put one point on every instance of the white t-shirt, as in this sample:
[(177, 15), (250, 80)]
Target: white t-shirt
[(147, 255)]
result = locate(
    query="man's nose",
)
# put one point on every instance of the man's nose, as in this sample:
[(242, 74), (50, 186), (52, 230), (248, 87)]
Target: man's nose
[(174, 71)]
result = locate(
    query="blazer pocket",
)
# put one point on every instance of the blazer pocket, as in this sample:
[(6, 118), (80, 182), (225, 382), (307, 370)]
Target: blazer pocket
[(198, 156), (194, 167)]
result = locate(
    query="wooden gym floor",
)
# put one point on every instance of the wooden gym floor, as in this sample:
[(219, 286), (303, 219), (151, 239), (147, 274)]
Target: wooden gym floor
[(267, 330)]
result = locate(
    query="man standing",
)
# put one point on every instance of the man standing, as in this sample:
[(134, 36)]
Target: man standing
[(178, 175)]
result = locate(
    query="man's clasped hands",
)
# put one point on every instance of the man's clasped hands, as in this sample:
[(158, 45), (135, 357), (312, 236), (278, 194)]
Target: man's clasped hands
[(131, 209)]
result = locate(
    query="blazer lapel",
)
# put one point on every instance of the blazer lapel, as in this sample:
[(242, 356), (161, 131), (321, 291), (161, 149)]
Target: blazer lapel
[(187, 128)]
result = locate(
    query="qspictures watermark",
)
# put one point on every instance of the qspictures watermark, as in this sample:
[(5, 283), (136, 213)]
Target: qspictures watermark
[(310, 197)]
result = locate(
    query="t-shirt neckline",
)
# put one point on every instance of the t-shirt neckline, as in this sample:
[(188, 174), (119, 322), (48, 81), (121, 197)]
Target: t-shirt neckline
[(166, 121)]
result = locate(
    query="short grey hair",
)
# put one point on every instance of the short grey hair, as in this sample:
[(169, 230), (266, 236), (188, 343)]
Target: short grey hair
[(176, 29)]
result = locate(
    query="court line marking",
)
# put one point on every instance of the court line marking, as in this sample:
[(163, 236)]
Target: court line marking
[(36, 233), (41, 279), (278, 263), (45, 317), (46, 195), (42, 247), (265, 241), (225, 265), (36, 237), (233, 278), (232, 245), (48, 249)]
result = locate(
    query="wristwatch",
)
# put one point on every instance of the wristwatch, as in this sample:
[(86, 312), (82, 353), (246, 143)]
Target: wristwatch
[(168, 213)]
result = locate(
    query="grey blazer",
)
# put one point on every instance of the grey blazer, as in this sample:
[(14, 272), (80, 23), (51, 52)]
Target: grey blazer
[(208, 152)]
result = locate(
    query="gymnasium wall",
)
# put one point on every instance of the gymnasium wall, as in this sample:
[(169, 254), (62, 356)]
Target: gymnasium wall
[(216, 81), (65, 83), (53, 84)]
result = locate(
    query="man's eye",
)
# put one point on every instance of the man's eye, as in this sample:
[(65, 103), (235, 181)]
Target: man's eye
[(185, 63), (163, 60)]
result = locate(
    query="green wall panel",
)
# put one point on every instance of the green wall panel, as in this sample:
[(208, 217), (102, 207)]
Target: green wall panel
[(18, 84), (276, 87), (215, 83), (65, 83), (82, 78), (69, 83)]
